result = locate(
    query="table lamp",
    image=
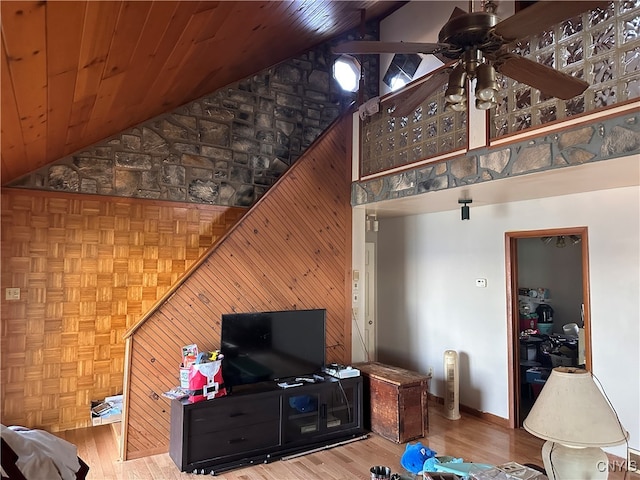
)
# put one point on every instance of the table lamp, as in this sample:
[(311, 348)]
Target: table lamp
[(575, 419)]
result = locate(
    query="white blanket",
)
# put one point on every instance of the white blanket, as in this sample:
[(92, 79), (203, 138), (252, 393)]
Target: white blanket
[(42, 455)]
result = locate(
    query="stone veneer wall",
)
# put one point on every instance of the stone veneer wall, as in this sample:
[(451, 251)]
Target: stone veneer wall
[(614, 137), (226, 148)]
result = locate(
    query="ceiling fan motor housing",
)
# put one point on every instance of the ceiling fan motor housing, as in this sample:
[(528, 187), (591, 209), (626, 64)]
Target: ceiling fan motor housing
[(469, 31)]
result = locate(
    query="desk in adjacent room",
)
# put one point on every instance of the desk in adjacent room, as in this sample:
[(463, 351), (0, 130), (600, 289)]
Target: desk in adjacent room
[(395, 401)]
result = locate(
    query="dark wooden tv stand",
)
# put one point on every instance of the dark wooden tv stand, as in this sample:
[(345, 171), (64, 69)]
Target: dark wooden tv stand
[(262, 423)]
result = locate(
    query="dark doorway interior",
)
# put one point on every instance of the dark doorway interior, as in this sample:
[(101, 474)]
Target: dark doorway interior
[(549, 309)]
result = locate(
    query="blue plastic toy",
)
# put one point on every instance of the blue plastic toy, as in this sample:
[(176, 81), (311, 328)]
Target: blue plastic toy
[(431, 465), (462, 469), (414, 457), (304, 403)]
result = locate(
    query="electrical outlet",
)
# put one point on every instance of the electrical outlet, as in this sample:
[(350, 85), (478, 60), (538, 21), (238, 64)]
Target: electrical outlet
[(481, 282), (12, 294), (431, 371)]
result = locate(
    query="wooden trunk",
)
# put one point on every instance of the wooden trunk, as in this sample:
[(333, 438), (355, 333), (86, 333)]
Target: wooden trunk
[(395, 401)]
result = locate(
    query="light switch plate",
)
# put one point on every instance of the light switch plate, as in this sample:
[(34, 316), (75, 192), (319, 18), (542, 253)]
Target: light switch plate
[(481, 282), (12, 294)]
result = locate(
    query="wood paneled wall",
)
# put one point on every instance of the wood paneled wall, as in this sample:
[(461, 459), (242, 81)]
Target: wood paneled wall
[(291, 251), (88, 268)]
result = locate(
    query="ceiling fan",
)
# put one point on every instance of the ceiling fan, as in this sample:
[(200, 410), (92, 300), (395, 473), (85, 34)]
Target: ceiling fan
[(475, 45)]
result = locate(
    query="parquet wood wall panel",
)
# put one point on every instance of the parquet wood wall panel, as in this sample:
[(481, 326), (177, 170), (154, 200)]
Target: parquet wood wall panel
[(292, 250), (88, 268)]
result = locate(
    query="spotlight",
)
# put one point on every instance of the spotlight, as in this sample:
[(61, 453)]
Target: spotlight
[(397, 83), (347, 71), (455, 92), (464, 211)]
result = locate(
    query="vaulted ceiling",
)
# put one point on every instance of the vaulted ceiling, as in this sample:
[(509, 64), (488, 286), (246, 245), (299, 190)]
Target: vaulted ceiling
[(76, 72)]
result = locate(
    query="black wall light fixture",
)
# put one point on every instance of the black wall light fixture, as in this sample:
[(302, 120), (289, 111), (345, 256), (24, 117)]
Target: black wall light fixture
[(402, 69), (464, 211)]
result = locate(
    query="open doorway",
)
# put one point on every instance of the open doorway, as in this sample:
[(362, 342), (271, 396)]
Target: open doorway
[(530, 346)]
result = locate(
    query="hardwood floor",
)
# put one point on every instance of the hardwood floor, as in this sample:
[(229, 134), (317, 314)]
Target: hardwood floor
[(471, 438)]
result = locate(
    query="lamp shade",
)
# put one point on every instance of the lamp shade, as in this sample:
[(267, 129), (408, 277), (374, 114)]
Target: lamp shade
[(572, 410)]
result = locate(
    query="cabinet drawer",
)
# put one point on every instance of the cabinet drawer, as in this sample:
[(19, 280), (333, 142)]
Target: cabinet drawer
[(236, 413), (212, 445)]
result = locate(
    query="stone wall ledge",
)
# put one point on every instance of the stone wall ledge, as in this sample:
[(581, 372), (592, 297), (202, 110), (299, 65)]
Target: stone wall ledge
[(600, 140)]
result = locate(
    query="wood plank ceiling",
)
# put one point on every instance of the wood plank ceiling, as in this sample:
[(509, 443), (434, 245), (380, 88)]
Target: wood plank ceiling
[(76, 72)]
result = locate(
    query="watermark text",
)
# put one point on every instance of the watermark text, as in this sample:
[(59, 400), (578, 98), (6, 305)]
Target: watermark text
[(617, 466)]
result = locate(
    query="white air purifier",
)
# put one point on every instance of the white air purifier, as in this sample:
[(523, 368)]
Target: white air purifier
[(452, 387)]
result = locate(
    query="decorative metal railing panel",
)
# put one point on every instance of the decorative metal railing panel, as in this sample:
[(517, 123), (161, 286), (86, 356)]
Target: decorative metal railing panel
[(388, 142), (599, 46)]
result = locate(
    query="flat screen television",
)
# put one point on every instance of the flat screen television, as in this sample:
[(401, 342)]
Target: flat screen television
[(264, 346)]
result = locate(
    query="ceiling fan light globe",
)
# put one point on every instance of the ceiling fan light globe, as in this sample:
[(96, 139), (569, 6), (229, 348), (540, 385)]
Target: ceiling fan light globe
[(484, 104), (486, 86), (455, 95), (486, 94)]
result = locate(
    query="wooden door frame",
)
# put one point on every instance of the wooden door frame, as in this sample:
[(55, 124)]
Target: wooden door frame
[(513, 324)]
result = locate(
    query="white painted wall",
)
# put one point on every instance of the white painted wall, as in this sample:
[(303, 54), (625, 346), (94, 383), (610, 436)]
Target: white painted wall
[(428, 301), (557, 269)]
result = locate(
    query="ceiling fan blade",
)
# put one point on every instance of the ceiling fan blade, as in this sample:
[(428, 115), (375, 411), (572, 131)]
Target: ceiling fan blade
[(406, 104), (367, 47), (540, 16), (440, 56), (457, 12), (546, 79)]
